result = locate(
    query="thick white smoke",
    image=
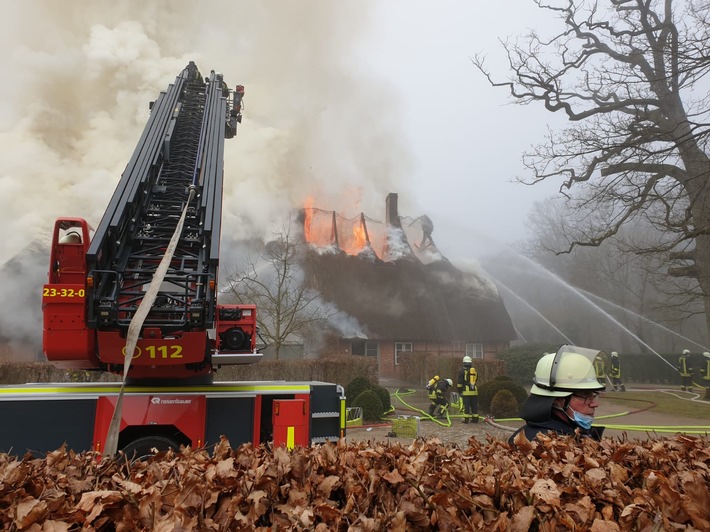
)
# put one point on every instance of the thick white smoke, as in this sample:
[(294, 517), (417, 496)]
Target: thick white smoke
[(79, 78)]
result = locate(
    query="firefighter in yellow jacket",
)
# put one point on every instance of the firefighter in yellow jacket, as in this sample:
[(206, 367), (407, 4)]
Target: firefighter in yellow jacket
[(615, 373), (705, 372), (466, 384), (685, 369), (436, 390)]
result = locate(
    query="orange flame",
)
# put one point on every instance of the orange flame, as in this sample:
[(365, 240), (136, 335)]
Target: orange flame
[(308, 218), (359, 240), (319, 229)]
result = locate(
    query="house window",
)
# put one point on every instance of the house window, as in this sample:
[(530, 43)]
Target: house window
[(401, 347), (474, 350), (365, 348)]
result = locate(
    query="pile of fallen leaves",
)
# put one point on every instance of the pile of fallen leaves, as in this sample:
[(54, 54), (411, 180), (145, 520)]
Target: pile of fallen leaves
[(553, 482)]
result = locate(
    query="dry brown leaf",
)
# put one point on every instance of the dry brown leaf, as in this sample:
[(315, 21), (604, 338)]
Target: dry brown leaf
[(29, 510), (522, 519), (582, 510), (328, 513), (600, 525), (522, 444), (545, 490), (596, 478), (393, 477), (51, 525), (398, 523), (225, 468), (326, 485), (127, 485), (94, 502), (259, 503)]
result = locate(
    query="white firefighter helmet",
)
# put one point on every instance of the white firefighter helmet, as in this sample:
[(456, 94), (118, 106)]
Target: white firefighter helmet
[(614, 354), (467, 360), (569, 370), (451, 383), (706, 354), (686, 351)]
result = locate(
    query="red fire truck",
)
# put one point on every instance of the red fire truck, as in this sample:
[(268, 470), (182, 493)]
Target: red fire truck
[(158, 243)]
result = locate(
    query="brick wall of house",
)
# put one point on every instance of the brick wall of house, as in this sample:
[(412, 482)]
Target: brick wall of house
[(386, 352)]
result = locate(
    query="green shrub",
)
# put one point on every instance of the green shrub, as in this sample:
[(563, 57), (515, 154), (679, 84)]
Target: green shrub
[(355, 387), (384, 395), (372, 409), (504, 405), (488, 390)]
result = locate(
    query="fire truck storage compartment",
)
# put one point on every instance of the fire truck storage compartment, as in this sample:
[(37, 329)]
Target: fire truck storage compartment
[(290, 422), (43, 425), (231, 417), (325, 412)]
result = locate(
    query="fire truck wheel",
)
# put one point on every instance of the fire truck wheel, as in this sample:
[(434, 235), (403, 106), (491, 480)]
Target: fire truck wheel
[(143, 447)]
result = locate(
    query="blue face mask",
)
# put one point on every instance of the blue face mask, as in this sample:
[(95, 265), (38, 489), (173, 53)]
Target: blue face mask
[(583, 420)]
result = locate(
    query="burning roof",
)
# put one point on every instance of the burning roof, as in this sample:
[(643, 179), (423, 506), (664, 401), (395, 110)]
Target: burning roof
[(370, 271)]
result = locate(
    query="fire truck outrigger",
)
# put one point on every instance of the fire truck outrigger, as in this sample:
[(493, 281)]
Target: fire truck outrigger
[(158, 242)]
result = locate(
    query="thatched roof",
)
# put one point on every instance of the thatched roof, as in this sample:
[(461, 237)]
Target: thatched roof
[(408, 300)]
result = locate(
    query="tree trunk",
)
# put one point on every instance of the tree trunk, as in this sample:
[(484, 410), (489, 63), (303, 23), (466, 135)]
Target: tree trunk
[(702, 263)]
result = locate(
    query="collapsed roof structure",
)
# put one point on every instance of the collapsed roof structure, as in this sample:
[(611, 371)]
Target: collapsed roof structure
[(393, 280)]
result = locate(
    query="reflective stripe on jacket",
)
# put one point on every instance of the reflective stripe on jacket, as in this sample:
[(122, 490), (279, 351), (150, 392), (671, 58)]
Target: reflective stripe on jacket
[(683, 367)]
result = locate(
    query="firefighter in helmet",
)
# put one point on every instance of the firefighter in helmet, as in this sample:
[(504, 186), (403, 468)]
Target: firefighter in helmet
[(437, 395), (705, 373), (685, 370), (564, 395), (466, 385), (615, 373)]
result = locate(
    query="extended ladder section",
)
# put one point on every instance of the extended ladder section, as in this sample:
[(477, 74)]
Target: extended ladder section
[(181, 150), (182, 146)]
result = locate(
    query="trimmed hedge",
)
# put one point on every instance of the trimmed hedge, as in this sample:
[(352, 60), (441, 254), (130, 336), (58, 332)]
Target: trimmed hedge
[(384, 395), (488, 390), (504, 405), (359, 384), (355, 387), (369, 401)]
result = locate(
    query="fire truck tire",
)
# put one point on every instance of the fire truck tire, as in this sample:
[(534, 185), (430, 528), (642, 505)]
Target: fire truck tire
[(142, 447)]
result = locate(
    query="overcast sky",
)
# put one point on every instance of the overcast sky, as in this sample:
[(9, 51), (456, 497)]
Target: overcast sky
[(345, 102)]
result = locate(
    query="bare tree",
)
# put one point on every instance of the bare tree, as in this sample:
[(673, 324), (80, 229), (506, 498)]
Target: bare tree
[(628, 74), (272, 280)]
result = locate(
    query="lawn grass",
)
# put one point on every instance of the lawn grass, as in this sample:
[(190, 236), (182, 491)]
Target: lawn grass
[(676, 403)]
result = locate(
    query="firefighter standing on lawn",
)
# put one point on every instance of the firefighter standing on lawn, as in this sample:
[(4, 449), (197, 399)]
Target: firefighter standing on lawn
[(615, 373), (437, 395), (466, 384), (685, 369)]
